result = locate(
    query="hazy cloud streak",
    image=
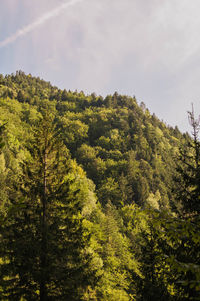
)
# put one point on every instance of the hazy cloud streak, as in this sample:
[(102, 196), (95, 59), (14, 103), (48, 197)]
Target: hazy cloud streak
[(28, 28)]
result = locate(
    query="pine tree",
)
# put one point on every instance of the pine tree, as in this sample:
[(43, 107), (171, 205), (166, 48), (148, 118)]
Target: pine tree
[(187, 180), (44, 243), (185, 230)]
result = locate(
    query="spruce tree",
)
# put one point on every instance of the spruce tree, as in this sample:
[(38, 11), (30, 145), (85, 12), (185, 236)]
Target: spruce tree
[(187, 179), (185, 229), (44, 243)]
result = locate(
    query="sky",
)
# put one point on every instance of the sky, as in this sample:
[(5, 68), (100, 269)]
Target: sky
[(148, 49)]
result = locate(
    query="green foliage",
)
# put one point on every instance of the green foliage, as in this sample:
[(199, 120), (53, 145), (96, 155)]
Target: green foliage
[(44, 242), (188, 172), (2, 128), (112, 128), (57, 243)]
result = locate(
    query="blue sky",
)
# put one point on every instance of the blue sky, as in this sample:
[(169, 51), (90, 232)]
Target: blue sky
[(150, 49)]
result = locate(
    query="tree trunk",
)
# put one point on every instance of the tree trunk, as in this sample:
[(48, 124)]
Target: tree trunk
[(43, 290)]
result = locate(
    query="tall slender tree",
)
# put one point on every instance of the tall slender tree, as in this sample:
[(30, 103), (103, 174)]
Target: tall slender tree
[(187, 180), (44, 242), (184, 234)]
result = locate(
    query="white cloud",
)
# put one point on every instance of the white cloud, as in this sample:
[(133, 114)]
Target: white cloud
[(43, 19), (162, 35)]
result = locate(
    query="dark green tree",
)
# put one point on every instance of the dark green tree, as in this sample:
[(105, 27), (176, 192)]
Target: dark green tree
[(2, 128), (155, 270), (186, 258), (44, 242), (187, 180)]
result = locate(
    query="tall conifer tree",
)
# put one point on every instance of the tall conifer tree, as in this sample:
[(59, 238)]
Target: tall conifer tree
[(43, 239), (187, 180)]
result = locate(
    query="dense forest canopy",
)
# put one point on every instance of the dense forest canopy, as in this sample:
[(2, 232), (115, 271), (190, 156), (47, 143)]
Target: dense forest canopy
[(99, 198)]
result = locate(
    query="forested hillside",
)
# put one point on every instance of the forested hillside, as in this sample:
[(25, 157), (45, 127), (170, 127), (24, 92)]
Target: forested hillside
[(99, 198)]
